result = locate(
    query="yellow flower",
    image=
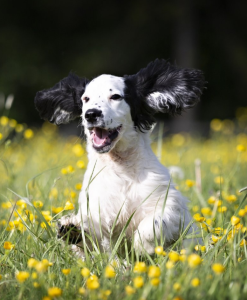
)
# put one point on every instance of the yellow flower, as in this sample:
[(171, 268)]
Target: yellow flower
[(12, 123), (200, 248), (53, 193), (218, 268), (243, 243), (8, 245), (216, 125), (219, 179), (140, 267), (92, 282), (183, 251), (212, 200), (235, 220), (153, 271), (64, 171), (85, 272), (54, 292), (1, 136), (218, 230), (173, 256), (36, 284), (42, 266), (32, 262), (70, 169), (241, 148), (4, 120), (21, 203), (219, 203), (104, 294), (231, 198), (80, 164), (110, 272), (169, 264), (195, 208), (178, 139), (241, 212), (206, 211), (198, 218), (177, 286), (56, 210), (46, 298), (34, 275), (1, 277), (195, 282), (138, 282), (78, 150), (182, 258), (194, 260), (38, 203), (69, 206), (78, 186), (45, 213), (129, 290), (159, 250), (72, 194), (155, 281), (190, 183), (43, 225), (222, 209), (28, 134), (215, 238), (66, 271), (19, 128), (82, 291), (22, 276), (6, 205)]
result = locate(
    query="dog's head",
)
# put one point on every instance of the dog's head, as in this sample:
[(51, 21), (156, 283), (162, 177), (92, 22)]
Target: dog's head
[(110, 105)]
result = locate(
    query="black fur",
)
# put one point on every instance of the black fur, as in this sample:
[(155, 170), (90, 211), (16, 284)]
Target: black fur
[(185, 86), (66, 95)]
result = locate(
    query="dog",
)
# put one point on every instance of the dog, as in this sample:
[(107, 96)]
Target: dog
[(124, 181)]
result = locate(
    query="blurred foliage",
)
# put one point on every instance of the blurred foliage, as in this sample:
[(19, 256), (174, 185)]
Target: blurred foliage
[(41, 177), (41, 42)]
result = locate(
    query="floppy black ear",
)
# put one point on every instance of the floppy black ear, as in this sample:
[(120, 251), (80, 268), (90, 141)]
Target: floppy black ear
[(161, 87), (61, 103)]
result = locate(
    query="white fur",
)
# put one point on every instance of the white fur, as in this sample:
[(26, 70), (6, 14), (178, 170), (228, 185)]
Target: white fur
[(130, 178)]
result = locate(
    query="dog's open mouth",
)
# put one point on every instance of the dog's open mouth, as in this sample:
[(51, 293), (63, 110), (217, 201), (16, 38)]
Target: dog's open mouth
[(102, 138)]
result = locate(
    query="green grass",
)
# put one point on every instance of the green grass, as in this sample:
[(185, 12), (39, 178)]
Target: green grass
[(46, 169)]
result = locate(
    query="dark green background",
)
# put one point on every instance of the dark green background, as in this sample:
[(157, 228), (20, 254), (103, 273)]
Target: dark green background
[(42, 41)]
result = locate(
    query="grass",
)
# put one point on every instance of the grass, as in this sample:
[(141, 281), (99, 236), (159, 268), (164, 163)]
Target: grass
[(41, 175)]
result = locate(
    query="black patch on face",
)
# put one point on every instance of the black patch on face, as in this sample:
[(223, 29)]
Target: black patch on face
[(181, 87)]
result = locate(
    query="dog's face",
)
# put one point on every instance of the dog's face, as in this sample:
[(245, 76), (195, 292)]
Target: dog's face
[(105, 113), (111, 106)]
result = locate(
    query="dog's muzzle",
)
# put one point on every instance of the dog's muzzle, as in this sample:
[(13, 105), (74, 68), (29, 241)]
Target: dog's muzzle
[(103, 139)]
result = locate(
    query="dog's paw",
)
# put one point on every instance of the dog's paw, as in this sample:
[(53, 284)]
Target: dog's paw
[(144, 239), (69, 229)]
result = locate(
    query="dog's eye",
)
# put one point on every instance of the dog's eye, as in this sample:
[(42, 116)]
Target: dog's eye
[(86, 99), (115, 97)]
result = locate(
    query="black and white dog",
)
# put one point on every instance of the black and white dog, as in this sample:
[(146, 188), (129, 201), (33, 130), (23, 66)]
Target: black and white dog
[(118, 114)]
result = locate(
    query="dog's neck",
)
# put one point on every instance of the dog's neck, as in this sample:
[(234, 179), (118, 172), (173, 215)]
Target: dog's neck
[(126, 154)]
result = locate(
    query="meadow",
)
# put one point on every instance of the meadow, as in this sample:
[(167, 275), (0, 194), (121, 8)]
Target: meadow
[(40, 178)]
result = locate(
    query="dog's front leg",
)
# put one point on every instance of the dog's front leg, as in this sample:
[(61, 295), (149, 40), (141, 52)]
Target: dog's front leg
[(70, 227), (144, 236), (152, 228)]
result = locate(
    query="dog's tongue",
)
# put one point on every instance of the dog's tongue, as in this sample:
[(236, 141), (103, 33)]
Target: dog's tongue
[(100, 136)]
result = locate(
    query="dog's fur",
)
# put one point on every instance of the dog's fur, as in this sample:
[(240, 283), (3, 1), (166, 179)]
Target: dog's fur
[(118, 115)]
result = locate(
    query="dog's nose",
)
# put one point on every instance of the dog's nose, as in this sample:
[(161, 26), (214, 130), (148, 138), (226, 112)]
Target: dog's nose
[(91, 115)]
